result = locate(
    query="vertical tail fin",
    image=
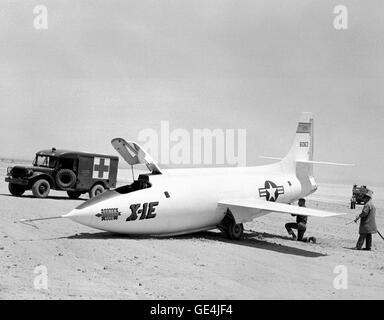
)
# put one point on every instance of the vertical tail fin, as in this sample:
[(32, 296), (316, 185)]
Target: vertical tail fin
[(301, 151), (302, 147), (299, 160)]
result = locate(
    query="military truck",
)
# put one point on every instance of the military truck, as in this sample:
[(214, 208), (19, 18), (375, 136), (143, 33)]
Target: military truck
[(358, 192), (71, 171)]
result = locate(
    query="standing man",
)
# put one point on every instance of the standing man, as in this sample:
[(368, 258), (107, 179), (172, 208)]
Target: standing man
[(353, 202), (300, 225), (367, 222)]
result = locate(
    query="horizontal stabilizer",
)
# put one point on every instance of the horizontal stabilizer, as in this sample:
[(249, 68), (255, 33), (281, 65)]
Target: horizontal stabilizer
[(244, 210), (271, 158), (313, 162), (328, 163)]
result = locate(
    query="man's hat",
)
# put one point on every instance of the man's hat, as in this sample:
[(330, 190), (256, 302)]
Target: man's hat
[(369, 193)]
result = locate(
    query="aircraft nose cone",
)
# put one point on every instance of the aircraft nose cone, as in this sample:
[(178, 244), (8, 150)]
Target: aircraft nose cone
[(72, 214), (82, 216), (100, 212), (99, 198)]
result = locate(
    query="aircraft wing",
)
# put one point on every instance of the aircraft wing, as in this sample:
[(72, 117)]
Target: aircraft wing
[(245, 210)]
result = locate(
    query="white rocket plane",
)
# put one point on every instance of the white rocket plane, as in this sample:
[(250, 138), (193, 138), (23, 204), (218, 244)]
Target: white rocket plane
[(182, 201)]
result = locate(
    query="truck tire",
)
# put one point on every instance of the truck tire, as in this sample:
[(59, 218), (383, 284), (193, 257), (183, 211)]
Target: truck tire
[(16, 189), (96, 190), (74, 194), (41, 188), (65, 178)]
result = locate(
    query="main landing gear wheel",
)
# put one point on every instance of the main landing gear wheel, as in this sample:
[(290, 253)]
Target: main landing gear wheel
[(233, 230)]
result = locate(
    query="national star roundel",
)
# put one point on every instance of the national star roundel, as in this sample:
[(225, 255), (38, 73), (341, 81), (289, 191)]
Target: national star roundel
[(271, 191)]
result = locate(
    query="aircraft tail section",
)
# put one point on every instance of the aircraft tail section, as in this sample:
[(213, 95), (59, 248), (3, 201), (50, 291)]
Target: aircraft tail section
[(299, 159), (302, 147)]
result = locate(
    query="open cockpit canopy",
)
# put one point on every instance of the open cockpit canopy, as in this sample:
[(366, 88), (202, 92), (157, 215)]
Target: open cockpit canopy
[(133, 154)]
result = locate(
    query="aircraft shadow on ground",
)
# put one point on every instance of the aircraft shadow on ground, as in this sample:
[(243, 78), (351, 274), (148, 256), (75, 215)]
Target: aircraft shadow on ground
[(49, 197), (249, 241)]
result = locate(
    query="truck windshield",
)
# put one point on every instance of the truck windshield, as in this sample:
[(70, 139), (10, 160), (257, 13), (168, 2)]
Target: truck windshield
[(44, 161)]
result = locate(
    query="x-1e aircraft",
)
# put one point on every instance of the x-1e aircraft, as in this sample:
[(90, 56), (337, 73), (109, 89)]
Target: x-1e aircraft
[(182, 201)]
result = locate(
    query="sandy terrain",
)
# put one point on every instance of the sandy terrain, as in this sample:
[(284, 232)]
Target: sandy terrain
[(84, 263)]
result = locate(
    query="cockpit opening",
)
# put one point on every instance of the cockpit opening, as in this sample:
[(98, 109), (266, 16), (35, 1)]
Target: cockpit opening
[(141, 183)]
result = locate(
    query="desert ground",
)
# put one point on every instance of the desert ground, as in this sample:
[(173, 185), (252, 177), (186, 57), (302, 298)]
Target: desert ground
[(85, 263)]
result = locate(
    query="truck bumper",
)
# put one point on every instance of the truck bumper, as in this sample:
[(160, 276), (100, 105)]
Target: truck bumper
[(16, 181)]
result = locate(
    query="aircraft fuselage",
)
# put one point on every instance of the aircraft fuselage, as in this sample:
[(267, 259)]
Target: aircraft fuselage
[(185, 201)]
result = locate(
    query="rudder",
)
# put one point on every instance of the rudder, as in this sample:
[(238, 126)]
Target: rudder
[(301, 151)]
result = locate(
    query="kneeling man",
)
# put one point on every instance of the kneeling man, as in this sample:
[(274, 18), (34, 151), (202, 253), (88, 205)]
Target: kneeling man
[(300, 225)]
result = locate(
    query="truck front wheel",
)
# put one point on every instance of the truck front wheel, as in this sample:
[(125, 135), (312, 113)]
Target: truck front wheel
[(96, 190), (16, 189), (41, 188)]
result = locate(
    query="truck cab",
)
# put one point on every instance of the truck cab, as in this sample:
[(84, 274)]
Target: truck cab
[(359, 192), (71, 171)]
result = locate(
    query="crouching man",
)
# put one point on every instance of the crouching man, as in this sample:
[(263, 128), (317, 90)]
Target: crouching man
[(300, 226), (367, 223)]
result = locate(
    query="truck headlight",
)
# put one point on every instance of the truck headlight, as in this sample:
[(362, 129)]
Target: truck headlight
[(29, 172)]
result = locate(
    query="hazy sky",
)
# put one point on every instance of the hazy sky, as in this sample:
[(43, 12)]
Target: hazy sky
[(112, 68)]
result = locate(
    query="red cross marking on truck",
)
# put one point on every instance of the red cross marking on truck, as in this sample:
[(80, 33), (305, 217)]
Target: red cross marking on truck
[(101, 167)]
